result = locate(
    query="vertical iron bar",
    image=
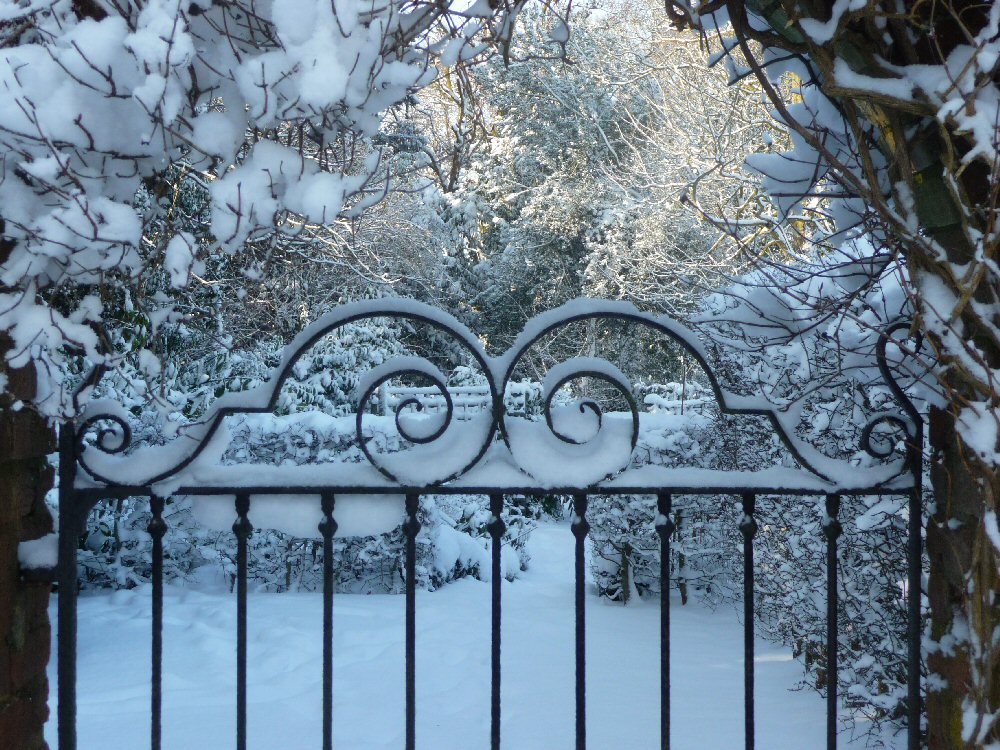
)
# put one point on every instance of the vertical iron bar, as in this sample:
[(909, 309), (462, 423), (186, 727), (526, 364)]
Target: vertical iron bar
[(832, 530), (242, 528), (664, 528), (580, 528), (748, 528), (157, 528), (913, 595), (410, 528), (327, 527), (496, 527), (68, 531)]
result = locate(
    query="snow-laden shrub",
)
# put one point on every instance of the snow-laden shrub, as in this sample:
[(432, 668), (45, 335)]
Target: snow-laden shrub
[(453, 541), (789, 557), (184, 387), (771, 341), (790, 595), (625, 546), (779, 335), (116, 550)]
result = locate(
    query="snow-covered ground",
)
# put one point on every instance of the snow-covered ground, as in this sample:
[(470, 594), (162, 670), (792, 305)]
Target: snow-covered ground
[(285, 695)]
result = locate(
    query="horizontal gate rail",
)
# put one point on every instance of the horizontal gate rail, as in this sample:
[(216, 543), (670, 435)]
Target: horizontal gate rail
[(96, 466)]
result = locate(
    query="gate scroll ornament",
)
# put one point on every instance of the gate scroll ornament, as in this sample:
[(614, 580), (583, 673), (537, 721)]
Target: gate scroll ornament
[(96, 464)]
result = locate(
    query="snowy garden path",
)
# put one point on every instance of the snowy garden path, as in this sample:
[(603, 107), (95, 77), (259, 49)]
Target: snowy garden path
[(452, 670)]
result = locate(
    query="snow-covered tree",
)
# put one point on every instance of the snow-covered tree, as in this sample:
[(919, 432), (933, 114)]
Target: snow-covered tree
[(536, 187), (682, 174), (893, 122), (263, 104), (594, 175)]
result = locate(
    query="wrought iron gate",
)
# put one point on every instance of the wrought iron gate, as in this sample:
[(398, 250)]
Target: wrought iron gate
[(96, 465)]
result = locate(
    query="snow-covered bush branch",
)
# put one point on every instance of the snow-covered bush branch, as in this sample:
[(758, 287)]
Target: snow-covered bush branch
[(266, 105)]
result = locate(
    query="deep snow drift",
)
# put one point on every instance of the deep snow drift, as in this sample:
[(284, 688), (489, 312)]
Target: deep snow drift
[(284, 666)]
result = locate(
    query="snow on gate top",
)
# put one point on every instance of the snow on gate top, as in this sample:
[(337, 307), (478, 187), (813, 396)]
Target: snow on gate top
[(572, 449)]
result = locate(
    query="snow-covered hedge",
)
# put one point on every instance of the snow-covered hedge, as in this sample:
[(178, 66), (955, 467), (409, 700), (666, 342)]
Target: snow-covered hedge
[(285, 548)]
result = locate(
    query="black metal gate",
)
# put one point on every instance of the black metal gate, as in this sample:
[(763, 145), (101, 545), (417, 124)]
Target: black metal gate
[(96, 465)]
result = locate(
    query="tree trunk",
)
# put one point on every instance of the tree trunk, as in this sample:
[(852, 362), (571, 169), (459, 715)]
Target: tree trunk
[(964, 594), (25, 477)]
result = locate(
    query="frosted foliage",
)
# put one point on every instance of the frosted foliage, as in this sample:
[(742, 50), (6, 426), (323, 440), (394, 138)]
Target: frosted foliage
[(97, 106), (779, 334), (894, 140)]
